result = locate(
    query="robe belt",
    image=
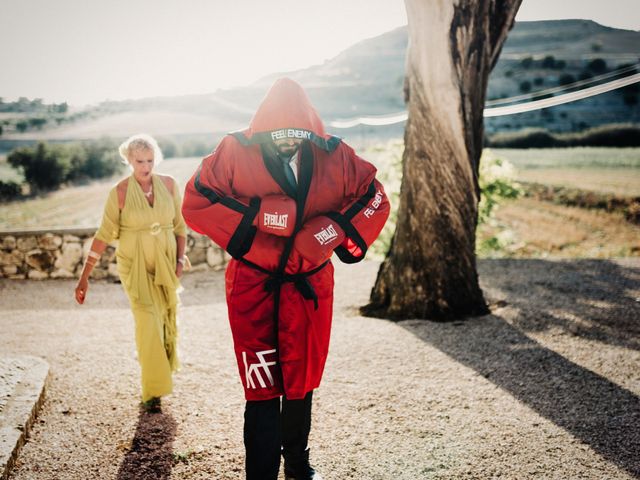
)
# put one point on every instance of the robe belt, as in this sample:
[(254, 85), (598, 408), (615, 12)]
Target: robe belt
[(299, 280), (154, 228)]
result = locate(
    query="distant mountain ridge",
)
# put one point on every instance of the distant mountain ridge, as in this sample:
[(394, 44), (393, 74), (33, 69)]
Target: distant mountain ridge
[(367, 79)]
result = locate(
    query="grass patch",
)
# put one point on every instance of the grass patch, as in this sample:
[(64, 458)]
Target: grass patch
[(575, 197), (525, 227), (79, 206), (8, 173), (613, 135), (577, 158), (604, 170)]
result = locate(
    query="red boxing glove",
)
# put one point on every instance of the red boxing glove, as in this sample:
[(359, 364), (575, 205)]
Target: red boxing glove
[(277, 215), (318, 238)]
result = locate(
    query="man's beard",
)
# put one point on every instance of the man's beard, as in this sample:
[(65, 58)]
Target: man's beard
[(287, 151)]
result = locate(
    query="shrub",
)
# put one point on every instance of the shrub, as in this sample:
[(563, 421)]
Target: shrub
[(585, 75), (597, 65), (37, 122), (632, 212), (526, 62), (549, 61), (195, 148), (97, 159), (528, 138), (391, 176), (525, 86), (168, 147), (630, 94), (496, 184), (547, 114), (43, 168), (9, 191), (575, 197), (614, 135), (47, 166), (24, 105), (630, 99), (60, 108), (566, 79)]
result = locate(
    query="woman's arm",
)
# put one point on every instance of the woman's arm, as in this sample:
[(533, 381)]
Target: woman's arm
[(97, 248), (109, 230), (180, 257), (179, 227)]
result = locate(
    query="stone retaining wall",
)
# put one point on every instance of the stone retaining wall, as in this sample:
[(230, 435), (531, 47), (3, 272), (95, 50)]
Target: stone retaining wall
[(60, 253)]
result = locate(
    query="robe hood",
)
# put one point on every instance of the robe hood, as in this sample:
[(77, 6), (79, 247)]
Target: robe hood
[(286, 111)]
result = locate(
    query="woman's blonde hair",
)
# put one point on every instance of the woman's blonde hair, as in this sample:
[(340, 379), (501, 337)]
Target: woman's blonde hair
[(140, 141)]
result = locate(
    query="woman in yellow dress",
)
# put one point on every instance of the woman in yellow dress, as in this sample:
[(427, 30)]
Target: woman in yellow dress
[(143, 212)]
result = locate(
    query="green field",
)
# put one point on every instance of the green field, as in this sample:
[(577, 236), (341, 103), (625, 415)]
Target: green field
[(604, 170), (597, 169), (577, 157), (8, 173), (79, 206), (527, 227)]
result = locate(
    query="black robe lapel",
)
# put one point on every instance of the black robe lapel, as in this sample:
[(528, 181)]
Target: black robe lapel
[(274, 166), (304, 179)]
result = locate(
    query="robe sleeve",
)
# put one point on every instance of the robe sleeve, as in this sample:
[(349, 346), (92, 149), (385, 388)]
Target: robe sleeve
[(365, 208), (179, 226), (210, 207), (109, 229)]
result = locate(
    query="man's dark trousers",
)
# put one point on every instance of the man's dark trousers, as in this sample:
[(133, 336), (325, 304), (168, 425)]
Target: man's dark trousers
[(270, 431)]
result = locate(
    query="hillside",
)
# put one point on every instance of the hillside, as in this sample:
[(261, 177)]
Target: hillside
[(542, 55), (367, 79)]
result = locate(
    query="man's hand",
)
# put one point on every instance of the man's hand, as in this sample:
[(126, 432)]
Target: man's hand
[(277, 215), (318, 238)]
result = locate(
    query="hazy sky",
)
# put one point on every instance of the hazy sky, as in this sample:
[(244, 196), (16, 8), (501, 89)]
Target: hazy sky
[(85, 51)]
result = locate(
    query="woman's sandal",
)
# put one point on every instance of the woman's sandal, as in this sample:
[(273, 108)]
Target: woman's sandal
[(152, 405)]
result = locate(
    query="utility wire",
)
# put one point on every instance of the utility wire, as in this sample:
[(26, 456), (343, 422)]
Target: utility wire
[(371, 120), (569, 86), (559, 100), (499, 111)]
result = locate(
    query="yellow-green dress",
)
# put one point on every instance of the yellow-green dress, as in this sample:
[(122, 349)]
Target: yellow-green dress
[(146, 258)]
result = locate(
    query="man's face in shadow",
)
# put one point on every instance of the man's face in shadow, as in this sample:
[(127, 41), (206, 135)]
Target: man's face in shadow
[(287, 147)]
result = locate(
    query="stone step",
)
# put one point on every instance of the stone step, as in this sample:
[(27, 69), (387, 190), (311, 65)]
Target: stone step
[(22, 389)]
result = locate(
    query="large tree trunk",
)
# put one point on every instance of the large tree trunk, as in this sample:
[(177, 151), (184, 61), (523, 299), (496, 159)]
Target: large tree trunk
[(430, 270)]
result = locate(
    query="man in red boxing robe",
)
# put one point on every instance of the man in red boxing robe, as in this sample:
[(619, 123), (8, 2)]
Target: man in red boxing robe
[(281, 197)]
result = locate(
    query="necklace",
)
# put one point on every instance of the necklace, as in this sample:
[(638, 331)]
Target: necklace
[(149, 193)]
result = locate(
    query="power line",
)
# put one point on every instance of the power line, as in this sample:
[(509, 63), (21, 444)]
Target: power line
[(499, 111), (580, 83), (370, 120), (559, 100)]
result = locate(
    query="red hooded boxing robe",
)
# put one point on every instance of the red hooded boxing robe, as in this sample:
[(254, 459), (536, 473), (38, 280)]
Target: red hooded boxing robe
[(280, 304)]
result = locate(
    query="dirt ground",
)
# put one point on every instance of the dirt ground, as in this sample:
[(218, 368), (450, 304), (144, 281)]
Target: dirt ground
[(546, 387), (529, 228)]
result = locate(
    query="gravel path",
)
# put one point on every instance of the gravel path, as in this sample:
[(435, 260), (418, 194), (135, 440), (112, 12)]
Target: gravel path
[(547, 387)]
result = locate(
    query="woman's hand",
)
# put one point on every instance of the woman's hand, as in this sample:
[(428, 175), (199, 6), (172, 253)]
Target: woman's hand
[(179, 268), (81, 290)]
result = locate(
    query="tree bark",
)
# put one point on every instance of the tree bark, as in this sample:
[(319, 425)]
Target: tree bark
[(430, 269)]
